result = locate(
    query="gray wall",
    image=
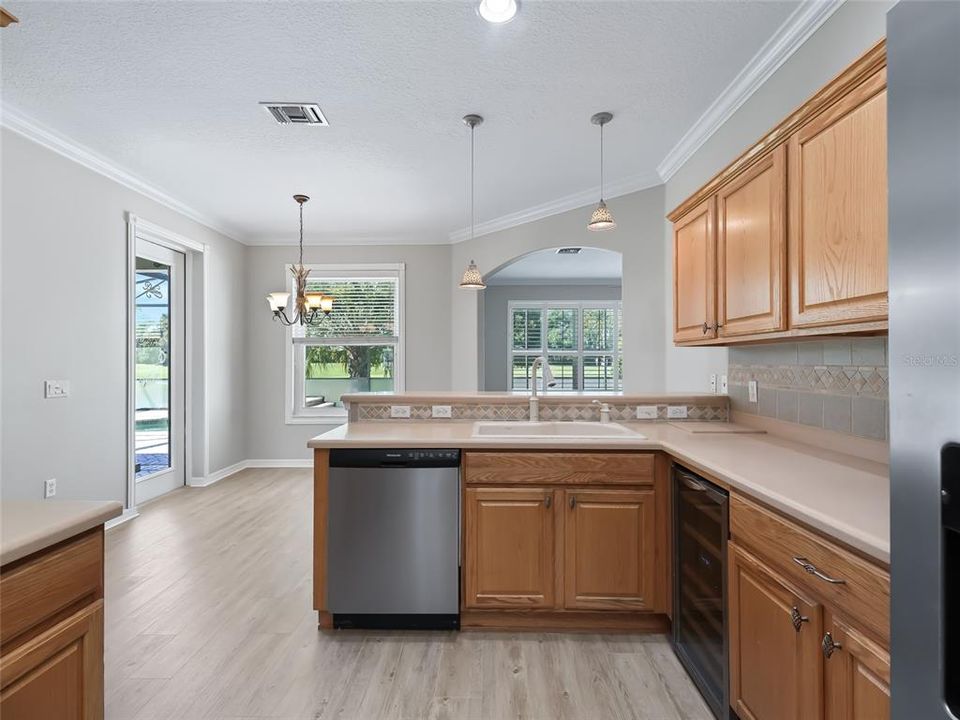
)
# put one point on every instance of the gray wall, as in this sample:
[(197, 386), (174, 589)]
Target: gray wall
[(838, 384), (848, 33), (427, 328), (495, 303), (63, 297), (638, 238)]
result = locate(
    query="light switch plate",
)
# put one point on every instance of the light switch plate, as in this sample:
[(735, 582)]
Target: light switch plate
[(442, 411), (646, 412), (56, 388), (676, 411), (752, 391), (399, 411), (723, 384), (713, 383), (49, 488)]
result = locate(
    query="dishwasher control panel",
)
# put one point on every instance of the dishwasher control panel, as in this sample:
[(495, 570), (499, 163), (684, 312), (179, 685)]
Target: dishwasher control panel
[(390, 457)]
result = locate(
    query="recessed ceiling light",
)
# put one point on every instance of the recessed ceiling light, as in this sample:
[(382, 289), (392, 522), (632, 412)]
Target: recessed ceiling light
[(497, 11)]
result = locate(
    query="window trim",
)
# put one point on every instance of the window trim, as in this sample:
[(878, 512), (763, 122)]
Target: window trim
[(579, 353), (296, 415)]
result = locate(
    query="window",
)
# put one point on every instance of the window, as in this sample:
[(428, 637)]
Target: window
[(357, 348), (582, 342)]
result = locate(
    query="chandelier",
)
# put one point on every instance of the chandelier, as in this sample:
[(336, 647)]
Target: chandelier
[(308, 304)]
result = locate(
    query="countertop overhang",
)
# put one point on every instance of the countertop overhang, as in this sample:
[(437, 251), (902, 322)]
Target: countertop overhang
[(842, 496), (28, 526)]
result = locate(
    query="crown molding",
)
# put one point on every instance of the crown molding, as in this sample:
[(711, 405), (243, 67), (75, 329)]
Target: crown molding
[(347, 240), (635, 183), (795, 31), (24, 125)]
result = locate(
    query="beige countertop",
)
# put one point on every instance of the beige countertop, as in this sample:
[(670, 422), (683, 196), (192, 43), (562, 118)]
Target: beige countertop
[(27, 526), (844, 497)]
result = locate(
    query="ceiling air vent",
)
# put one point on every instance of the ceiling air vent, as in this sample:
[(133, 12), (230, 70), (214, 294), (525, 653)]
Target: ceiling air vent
[(296, 113), (569, 251)]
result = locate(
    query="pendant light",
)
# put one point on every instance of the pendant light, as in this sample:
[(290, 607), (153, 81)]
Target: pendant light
[(472, 279), (307, 304), (601, 218)]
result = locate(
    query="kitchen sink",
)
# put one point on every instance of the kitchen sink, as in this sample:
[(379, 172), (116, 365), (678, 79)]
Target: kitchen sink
[(573, 430)]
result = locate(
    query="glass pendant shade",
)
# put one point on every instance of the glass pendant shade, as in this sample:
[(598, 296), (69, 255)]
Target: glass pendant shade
[(278, 300), (326, 304), (601, 219), (314, 299), (472, 279)]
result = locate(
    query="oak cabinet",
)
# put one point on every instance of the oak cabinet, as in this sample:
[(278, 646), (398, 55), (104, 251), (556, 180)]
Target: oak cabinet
[(856, 673), (838, 211), (58, 674), (775, 635), (694, 263), (751, 249), (609, 552), (509, 547)]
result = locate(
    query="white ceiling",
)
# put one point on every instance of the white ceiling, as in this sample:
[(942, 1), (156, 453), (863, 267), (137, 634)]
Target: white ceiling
[(591, 266), (169, 91)]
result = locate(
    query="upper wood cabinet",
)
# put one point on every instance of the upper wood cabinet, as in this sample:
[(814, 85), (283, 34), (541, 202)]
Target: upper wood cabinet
[(609, 557), (838, 211), (775, 635), (811, 196), (509, 547), (751, 249), (694, 263)]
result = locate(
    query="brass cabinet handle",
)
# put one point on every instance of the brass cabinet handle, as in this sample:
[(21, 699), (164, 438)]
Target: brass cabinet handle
[(548, 501), (828, 646), (573, 501), (797, 619), (811, 569)]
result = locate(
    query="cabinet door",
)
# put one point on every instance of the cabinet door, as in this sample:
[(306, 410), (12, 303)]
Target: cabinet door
[(509, 548), (58, 674), (751, 249), (857, 674), (838, 211), (775, 633), (610, 553), (694, 274)]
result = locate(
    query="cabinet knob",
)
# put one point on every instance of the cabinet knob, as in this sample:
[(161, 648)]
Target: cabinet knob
[(829, 646), (797, 619), (573, 501), (548, 501)]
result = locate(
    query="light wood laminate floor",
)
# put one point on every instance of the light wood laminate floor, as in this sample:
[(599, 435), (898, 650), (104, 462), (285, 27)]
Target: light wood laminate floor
[(208, 615)]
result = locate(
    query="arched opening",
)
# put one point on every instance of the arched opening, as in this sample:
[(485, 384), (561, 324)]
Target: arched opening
[(561, 302)]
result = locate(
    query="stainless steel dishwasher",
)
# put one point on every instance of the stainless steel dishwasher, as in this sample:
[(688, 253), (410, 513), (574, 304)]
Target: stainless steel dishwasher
[(393, 538)]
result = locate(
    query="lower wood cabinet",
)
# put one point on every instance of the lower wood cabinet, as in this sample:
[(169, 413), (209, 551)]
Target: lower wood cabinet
[(856, 674), (59, 673), (609, 549), (775, 635), (509, 547)]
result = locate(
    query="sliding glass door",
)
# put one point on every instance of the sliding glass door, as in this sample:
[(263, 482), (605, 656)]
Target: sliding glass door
[(158, 411)]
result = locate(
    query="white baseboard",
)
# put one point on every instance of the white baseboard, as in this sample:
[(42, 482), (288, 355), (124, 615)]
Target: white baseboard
[(128, 515), (246, 464)]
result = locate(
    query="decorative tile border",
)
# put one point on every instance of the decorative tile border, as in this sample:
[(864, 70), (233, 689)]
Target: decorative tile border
[(566, 412), (868, 381)]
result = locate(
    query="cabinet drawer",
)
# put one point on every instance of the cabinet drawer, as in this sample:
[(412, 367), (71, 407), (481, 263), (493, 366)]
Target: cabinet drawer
[(813, 561), (558, 468), (43, 587)]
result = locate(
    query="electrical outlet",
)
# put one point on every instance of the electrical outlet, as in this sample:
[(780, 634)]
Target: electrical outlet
[(56, 388), (713, 383), (399, 411), (723, 384), (676, 411), (49, 488), (646, 412), (752, 390), (442, 411)]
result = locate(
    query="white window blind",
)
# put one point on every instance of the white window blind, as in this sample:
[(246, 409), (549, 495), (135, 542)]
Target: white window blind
[(357, 348)]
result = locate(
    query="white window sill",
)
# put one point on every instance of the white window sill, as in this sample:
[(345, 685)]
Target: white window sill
[(331, 419)]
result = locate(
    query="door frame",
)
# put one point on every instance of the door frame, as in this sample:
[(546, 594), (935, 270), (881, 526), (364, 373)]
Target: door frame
[(195, 261)]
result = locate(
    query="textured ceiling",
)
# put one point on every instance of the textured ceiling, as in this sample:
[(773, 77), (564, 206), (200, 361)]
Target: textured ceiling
[(591, 266), (169, 92)]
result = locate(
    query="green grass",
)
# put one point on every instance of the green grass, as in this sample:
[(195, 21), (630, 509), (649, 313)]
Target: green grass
[(336, 371), (151, 372)]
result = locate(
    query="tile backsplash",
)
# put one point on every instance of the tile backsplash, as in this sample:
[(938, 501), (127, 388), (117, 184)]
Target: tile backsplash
[(838, 384)]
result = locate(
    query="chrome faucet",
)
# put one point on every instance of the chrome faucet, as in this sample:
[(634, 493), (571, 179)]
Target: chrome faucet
[(604, 411), (548, 381)]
